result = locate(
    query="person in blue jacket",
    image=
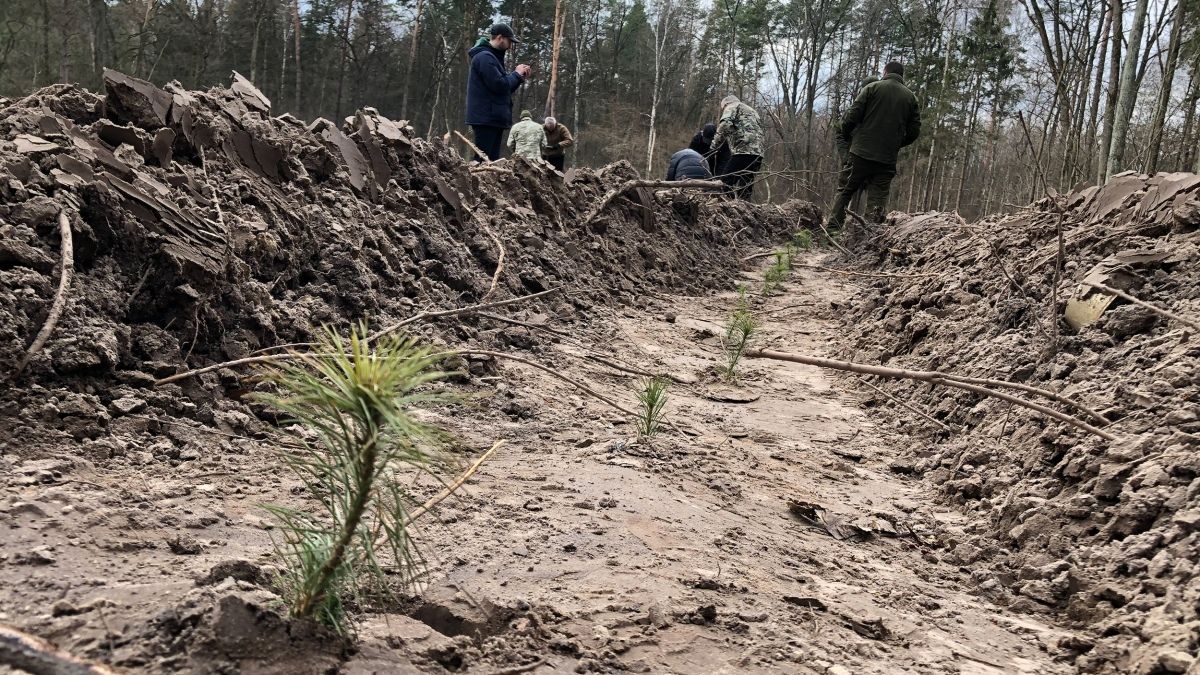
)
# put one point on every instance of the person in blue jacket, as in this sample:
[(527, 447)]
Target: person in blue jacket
[(490, 88), (687, 164)]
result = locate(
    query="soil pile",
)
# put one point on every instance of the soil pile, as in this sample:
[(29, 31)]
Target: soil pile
[(205, 229), (1105, 534)]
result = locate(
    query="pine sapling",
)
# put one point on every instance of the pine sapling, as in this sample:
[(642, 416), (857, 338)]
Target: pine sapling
[(740, 329), (803, 239), (653, 400), (353, 434)]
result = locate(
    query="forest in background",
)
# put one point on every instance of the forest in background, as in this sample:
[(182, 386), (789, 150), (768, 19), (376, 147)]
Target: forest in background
[(1018, 96)]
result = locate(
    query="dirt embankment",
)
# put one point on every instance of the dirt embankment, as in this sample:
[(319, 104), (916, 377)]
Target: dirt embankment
[(205, 229), (1104, 534)]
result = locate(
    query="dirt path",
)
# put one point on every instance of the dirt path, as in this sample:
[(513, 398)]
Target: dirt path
[(576, 548), (680, 555)]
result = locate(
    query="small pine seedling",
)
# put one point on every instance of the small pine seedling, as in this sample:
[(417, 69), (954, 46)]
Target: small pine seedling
[(778, 271), (653, 399), (349, 403), (741, 328), (803, 239)]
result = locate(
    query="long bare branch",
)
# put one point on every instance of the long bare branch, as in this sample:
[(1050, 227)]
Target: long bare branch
[(927, 376)]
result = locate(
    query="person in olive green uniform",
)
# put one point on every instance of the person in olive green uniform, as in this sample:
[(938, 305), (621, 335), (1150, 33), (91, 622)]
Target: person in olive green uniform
[(884, 118)]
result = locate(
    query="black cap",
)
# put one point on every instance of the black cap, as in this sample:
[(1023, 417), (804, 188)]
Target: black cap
[(504, 30)]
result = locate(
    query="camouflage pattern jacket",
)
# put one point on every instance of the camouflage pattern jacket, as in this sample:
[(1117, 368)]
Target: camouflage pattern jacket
[(740, 127), (526, 138)]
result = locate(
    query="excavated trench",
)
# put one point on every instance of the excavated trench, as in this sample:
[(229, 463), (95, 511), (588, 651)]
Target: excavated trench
[(795, 521)]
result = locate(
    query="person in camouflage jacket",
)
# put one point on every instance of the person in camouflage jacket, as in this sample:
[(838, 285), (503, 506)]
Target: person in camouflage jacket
[(527, 138), (740, 127)]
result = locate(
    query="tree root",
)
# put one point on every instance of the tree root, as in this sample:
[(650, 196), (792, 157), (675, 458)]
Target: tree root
[(935, 378), (31, 654), (60, 297)]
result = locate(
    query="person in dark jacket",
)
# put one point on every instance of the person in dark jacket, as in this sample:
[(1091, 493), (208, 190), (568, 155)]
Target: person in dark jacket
[(490, 88), (702, 143), (688, 164), (884, 118)]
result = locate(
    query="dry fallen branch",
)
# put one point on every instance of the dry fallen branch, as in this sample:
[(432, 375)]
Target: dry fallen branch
[(470, 309), (928, 376), (287, 356), (60, 296), (483, 157), (1142, 303), (829, 238), (499, 260), (452, 487), (906, 404), (546, 369), (31, 654), (461, 310), (616, 192)]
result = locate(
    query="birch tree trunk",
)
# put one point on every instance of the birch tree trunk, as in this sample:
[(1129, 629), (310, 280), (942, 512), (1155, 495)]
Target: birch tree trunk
[(1114, 74), (296, 30)]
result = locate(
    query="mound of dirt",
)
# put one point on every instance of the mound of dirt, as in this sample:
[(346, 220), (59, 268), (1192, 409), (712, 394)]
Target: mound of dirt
[(205, 229), (1101, 533)]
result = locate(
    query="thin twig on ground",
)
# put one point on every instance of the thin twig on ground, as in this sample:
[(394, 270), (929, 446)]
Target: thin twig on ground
[(29, 653), (421, 317), (927, 376), (616, 192), (829, 238), (906, 404), (452, 487), (66, 273), (517, 670), (546, 369), (499, 261), (461, 310), (483, 157), (1142, 303), (287, 356)]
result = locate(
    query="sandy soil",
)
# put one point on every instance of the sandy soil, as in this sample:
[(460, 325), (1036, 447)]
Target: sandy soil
[(576, 549)]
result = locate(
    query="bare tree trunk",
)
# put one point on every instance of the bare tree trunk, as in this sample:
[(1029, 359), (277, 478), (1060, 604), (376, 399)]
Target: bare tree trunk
[(254, 48), (1127, 95), (558, 25), (296, 30), (64, 56), (1114, 75), (412, 59), (1097, 87), (341, 85), (575, 22), (1164, 94)]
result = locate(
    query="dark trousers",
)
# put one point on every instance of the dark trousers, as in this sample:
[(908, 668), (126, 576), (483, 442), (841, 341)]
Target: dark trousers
[(489, 140), (557, 161), (738, 173), (874, 177)]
